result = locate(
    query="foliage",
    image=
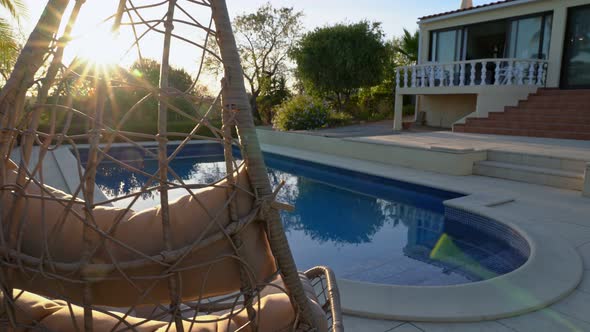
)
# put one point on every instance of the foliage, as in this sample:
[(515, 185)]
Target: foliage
[(338, 60), (408, 46), (409, 110), (137, 83), (10, 45), (376, 103), (263, 39), (339, 119), (274, 92), (148, 71), (301, 113)]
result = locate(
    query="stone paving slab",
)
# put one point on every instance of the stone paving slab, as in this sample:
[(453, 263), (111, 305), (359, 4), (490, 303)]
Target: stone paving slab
[(575, 149)]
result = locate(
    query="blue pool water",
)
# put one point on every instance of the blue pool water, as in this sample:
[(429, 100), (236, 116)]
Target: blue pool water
[(366, 228)]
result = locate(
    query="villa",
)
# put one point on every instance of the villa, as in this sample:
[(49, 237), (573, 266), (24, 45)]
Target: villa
[(513, 67)]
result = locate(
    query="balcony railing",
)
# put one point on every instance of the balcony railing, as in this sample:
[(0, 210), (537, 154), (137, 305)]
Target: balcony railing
[(495, 72)]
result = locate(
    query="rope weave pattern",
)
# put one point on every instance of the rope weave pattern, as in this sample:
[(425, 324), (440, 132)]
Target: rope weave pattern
[(50, 122)]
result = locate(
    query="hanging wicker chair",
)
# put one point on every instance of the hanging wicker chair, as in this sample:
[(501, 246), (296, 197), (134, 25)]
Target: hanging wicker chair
[(215, 259)]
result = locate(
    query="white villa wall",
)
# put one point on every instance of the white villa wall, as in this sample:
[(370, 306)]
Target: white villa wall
[(558, 7), (444, 110)]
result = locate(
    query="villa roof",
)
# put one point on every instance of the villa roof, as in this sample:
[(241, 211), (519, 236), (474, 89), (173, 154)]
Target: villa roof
[(466, 9)]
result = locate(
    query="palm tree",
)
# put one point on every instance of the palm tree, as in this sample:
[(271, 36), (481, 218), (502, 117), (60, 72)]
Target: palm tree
[(9, 44), (408, 45)]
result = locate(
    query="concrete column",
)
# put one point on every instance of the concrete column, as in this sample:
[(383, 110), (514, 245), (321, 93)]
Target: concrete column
[(586, 189), (557, 44), (398, 114)]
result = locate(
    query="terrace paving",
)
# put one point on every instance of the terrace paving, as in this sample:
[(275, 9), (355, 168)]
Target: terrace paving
[(381, 133)]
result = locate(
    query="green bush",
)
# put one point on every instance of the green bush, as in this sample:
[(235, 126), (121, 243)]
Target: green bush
[(409, 110), (339, 119), (376, 103), (301, 113)]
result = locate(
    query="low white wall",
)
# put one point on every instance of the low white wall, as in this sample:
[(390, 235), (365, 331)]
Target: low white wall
[(445, 110), (495, 99), (446, 161)]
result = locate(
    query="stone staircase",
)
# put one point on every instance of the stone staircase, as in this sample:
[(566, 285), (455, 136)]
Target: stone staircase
[(538, 169), (551, 113)]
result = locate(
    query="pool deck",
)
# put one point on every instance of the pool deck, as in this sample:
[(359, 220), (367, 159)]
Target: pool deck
[(560, 215), (428, 137)]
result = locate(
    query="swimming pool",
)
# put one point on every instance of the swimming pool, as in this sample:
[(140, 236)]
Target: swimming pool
[(366, 228)]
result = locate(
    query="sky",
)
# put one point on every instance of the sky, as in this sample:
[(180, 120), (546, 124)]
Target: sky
[(395, 15)]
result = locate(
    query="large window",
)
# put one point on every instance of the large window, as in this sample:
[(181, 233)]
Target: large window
[(446, 45), (530, 37), (523, 38)]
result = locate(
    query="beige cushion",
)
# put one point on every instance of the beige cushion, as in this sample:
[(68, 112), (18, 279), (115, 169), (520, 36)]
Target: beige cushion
[(276, 314), (217, 274)]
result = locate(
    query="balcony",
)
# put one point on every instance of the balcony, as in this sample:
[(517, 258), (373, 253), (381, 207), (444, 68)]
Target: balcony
[(495, 83), (472, 73)]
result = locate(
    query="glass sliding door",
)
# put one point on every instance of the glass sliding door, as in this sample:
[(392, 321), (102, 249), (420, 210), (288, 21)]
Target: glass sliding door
[(576, 62), (529, 38), (446, 45)]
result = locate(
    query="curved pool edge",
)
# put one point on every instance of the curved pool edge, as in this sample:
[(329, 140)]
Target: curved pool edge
[(553, 270)]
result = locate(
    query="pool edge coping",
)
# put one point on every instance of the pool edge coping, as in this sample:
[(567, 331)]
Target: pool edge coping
[(540, 282), (432, 304)]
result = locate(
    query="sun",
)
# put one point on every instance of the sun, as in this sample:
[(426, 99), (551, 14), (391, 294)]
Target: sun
[(102, 47)]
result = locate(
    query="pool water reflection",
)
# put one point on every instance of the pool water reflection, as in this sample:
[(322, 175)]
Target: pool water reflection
[(366, 228)]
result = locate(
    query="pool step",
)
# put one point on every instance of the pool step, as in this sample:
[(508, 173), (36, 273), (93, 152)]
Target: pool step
[(554, 177), (552, 161)]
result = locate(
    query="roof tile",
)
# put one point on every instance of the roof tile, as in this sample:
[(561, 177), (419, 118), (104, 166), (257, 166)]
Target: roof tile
[(465, 10)]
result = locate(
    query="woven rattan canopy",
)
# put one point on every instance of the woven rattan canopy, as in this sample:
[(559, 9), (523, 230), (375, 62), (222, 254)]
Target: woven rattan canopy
[(215, 259)]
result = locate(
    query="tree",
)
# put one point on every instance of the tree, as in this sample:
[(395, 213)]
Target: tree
[(264, 39), (408, 46), (10, 45), (338, 60), (273, 93), (148, 70)]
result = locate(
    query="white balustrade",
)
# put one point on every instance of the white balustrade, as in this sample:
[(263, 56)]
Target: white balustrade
[(520, 73), (431, 82), (509, 75), (406, 77), (531, 73), (541, 74), (498, 72)]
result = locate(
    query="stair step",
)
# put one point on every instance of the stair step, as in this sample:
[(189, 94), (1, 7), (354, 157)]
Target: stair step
[(520, 116), (560, 98), (529, 174), (553, 111), (581, 106), (537, 160), (550, 113), (529, 125), (527, 133), (558, 92)]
